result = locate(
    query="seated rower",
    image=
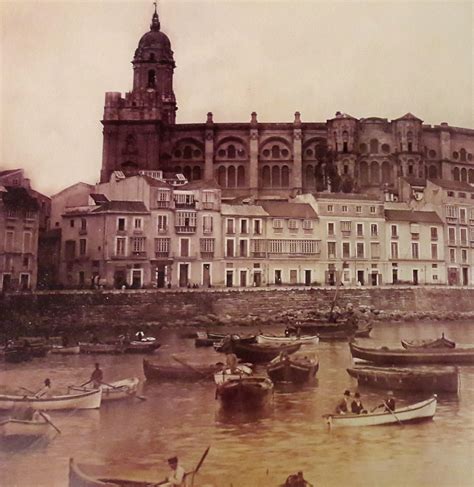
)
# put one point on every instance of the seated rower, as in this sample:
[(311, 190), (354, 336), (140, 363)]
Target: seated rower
[(388, 404), (45, 391), (344, 406), (177, 475)]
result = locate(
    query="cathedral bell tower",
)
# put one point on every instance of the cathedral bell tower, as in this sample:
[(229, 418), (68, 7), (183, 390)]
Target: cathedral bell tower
[(134, 124)]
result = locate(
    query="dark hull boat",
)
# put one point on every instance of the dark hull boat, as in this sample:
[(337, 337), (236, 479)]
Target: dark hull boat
[(178, 371), (325, 326), (401, 356), (416, 379), (441, 342), (141, 347), (257, 353), (296, 369), (16, 355), (245, 392)]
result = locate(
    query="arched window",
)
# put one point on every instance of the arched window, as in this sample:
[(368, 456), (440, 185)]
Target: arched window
[(410, 169), (374, 146), (464, 174), (285, 176), (385, 148), (151, 78), (374, 173), (386, 172), (275, 152), (221, 173), (462, 154), (187, 173), (433, 172), (188, 152), (231, 151), (345, 142), (241, 176), (410, 141), (196, 173), (364, 173), (456, 174), (266, 178), (471, 176), (231, 180), (276, 181)]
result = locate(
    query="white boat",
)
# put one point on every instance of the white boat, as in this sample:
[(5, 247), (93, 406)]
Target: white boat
[(415, 412), (112, 391), (58, 349), (24, 428), (226, 374), (78, 400), (288, 340)]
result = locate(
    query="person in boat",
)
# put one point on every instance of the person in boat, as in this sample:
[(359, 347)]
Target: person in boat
[(357, 406), (45, 391), (96, 377), (140, 335), (176, 475), (388, 404), (297, 480), (351, 315), (231, 362), (345, 405)]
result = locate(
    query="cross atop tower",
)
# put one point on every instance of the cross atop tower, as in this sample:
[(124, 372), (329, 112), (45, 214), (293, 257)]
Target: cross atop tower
[(155, 21)]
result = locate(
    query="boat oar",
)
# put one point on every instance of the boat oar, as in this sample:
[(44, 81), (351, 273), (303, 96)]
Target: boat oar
[(45, 417), (391, 412), (142, 398), (27, 390), (189, 366)]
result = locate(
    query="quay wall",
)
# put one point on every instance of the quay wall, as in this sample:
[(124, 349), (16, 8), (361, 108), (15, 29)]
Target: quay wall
[(82, 309)]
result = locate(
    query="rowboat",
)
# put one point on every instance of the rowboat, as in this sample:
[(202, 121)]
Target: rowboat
[(112, 391), (246, 391), (140, 346), (202, 340), (288, 340), (260, 353), (16, 428), (335, 335), (226, 374), (78, 400), (422, 379), (387, 356), (192, 372), (60, 350), (420, 411), (441, 342), (297, 368), (100, 347), (325, 326)]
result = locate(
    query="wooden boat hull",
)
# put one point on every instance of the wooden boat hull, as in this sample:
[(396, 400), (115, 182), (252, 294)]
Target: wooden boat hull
[(297, 371), (258, 353), (288, 340), (121, 389), (78, 400), (19, 428), (423, 410), (78, 478), (245, 392), (419, 379), (386, 356), (100, 348), (141, 347), (441, 342), (59, 350), (226, 374), (178, 372), (324, 326), (17, 355), (335, 336)]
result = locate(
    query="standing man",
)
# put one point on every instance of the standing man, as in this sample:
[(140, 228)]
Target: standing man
[(97, 377), (177, 474)]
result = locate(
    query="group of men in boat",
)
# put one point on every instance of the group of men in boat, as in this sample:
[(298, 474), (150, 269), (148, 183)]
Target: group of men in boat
[(355, 406)]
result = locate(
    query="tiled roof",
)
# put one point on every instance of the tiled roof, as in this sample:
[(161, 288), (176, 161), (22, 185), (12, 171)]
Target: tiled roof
[(7, 172), (156, 183), (454, 185), (283, 209), (99, 198), (19, 197), (413, 216), (408, 116), (243, 210), (200, 184), (122, 207)]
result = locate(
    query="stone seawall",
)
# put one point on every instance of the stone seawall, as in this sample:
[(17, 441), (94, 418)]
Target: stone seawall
[(81, 309)]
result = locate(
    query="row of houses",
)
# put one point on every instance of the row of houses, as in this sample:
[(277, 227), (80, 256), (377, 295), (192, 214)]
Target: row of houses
[(144, 231)]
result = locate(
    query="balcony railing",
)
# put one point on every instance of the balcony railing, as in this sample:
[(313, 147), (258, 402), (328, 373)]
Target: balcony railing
[(163, 204), (208, 206), (188, 204), (185, 229)]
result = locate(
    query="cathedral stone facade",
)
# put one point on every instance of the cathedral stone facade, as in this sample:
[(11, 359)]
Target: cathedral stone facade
[(343, 154)]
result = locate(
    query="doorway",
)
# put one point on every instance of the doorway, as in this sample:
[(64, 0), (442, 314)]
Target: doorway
[(137, 278), (206, 275), (120, 279), (465, 276), (277, 277), (307, 277), (374, 278), (257, 278), (243, 278), (415, 277), (361, 277), (293, 277), (183, 275), (160, 276), (229, 278)]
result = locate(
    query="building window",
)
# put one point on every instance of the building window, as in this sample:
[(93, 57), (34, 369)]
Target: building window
[(207, 224), (394, 231), (257, 227), (360, 229), (434, 233), (346, 228), (137, 223), (229, 247), (415, 250), (293, 224), (463, 235), (452, 256), (121, 224), (451, 235), (394, 250), (307, 225), (462, 215), (375, 250), (186, 219), (138, 244), (434, 251), (244, 226), (243, 247), (374, 230), (451, 211), (344, 208), (162, 247), (162, 223), (331, 250), (207, 245), (9, 241), (71, 222), (358, 209), (83, 224), (184, 247), (27, 239), (373, 209), (277, 224), (82, 246), (230, 226), (360, 250), (331, 229), (120, 246), (163, 199), (464, 256), (346, 250), (330, 208)]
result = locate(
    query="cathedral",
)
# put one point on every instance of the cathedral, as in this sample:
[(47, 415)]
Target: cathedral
[(343, 154)]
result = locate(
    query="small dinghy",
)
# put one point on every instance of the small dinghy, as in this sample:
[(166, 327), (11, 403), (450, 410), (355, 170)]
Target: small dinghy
[(441, 342), (245, 391), (288, 340), (297, 368), (121, 389), (60, 350), (13, 428)]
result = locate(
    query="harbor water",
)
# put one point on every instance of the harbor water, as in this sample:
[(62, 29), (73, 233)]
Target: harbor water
[(248, 448)]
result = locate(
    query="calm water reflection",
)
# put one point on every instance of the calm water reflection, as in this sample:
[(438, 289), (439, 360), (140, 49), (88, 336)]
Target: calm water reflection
[(256, 448)]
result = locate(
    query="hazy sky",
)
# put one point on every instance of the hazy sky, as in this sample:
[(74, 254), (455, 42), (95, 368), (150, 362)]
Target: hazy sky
[(366, 58)]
